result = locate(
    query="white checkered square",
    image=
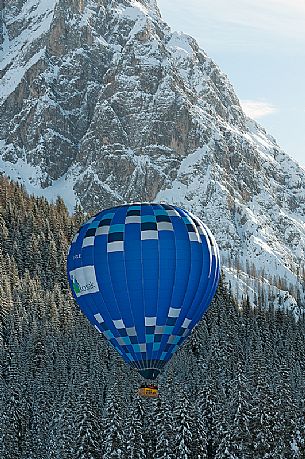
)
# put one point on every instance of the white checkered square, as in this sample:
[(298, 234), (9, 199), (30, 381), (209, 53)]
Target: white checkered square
[(131, 331), (88, 241), (150, 321), (165, 226), (119, 324), (99, 318), (173, 213), (133, 219), (194, 237), (173, 312), (186, 323), (150, 234), (116, 246), (102, 230)]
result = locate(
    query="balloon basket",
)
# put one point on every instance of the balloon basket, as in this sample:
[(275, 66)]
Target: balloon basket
[(148, 391)]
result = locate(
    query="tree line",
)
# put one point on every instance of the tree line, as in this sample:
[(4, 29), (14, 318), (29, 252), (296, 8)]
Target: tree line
[(234, 391)]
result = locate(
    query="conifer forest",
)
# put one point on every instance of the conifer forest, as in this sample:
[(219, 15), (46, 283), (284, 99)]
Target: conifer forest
[(235, 390)]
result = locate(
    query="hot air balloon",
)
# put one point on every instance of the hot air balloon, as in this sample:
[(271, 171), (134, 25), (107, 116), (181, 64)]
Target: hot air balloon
[(144, 274)]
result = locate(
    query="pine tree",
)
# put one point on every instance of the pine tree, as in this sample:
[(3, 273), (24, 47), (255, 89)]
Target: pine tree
[(200, 440), (164, 429), (262, 407), (12, 426), (135, 448), (63, 433), (183, 428), (239, 434), (114, 441), (285, 413), (87, 441)]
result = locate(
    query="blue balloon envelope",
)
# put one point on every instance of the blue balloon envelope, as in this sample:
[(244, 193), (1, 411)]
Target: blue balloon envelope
[(144, 275)]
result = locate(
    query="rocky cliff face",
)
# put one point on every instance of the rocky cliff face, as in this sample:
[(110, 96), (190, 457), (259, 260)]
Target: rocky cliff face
[(101, 103)]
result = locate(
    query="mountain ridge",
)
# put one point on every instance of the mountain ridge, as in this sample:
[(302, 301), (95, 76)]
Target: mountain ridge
[(103, 104)]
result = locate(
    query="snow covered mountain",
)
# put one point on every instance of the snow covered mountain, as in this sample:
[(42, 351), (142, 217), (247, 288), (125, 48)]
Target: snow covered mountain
[(101, 103)]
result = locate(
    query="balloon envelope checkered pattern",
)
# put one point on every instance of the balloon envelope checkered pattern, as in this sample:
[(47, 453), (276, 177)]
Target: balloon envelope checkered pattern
[(144, 274)]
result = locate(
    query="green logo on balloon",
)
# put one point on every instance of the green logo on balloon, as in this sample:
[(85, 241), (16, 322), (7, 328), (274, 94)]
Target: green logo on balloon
[(76, 286)]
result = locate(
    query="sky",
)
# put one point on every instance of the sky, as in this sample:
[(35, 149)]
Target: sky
[(260, 45)]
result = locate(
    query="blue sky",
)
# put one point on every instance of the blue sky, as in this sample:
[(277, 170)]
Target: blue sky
[(260, 45)]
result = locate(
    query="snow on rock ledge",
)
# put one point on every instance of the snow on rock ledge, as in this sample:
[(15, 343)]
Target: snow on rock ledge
[(101, 103)]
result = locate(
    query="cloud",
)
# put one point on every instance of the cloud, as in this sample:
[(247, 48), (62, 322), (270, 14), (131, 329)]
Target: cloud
[(257, 109)]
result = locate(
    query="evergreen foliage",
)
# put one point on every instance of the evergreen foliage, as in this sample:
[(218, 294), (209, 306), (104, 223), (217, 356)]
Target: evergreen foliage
[(236, 389)]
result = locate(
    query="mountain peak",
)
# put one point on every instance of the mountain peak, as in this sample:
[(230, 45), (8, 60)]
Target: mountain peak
[(103, 104)]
